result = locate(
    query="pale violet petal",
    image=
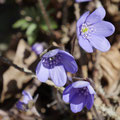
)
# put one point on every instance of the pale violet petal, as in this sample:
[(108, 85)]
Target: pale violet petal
[(80, 84), (66, 98), (37, 48), (85, 44), (58, 75), (26, 97), (82, 1), (104, 28), (91, 90), (96, 16), (76, 107), (82, 19), (80, 22), (25, 93), (100, 43), (51, 53), (42, 73)]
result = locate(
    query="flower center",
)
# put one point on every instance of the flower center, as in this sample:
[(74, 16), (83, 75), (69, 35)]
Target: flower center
[(86, 30), (83, 91), (51, 62)]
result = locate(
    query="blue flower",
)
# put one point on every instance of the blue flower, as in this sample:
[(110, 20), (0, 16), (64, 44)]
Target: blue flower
[(82, 1), (79, 94), (22, 104), (54, 65), (92, 30), (37, 48)]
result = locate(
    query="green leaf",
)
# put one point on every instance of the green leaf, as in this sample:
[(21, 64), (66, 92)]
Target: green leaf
[(25, 26), (44, 27), (53, 25), (19, 23), (31, 39), (32, 27), (31, 33)]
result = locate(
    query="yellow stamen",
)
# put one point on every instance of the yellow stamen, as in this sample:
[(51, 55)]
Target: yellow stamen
[(84, 30)]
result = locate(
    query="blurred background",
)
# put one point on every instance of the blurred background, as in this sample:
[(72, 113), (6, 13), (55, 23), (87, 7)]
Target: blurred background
[(53, 22)]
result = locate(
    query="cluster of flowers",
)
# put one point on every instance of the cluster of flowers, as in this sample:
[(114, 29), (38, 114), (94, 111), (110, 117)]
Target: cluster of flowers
[(91, 33)]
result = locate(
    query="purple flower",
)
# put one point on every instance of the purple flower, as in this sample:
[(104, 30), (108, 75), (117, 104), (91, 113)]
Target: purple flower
[(37, 48), (54, 65), (82, 1), (92, 30), (79, 94), (22, 104)]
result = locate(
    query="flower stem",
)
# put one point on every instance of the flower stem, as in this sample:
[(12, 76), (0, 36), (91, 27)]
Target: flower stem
[(45, 16)]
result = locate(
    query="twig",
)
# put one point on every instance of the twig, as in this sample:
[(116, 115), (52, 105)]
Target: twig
[(77, 11), (96, 78), (46, 18), (28, 72), (73, 44), (9, 62), (51, 104), (65, 11), (96, 113), (96, 75)]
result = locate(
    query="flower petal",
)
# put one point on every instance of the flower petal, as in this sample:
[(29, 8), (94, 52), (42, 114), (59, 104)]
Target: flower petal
[(42, 72), (26, 97), (85, 44), (80, 84), (20, 105), (104, 28), (82, 0), (58, 75), (89, 101), (51, 53), (64, 53), (67, 89), (96, 16), (76, 108), (68, 62), (81, 20), (77, 98), (66, 98), (37, 48), (68, 93), (91, 90), (100, 43)]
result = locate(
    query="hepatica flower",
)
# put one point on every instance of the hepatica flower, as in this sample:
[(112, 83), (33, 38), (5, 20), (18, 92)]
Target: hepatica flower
[(92, 30), (82, 1), (37, 48), (27, 99), (54, 65), (79, 94)]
